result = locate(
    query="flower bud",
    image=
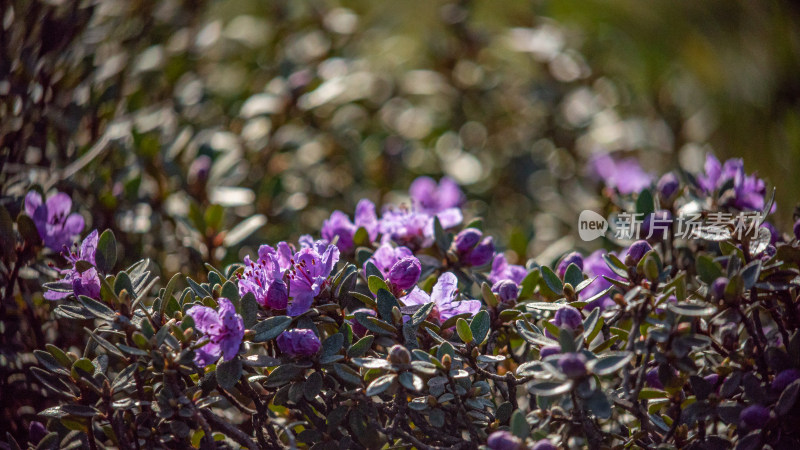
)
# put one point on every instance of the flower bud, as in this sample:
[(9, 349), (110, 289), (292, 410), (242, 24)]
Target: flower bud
[(570, 258), (405, 273), (503, 440), (548, 350), (466, 240), (636, 252), (36, 432), (399, 355), (544, 444), (712, 379), (482, 253), (573, 365), (569, 318), (668, 185), (299, 342), (754, 417), (358, 329), (783, 379), (652, 379), (277, 295), (718, 288), (447, 361), (506, 290), (796, 230)]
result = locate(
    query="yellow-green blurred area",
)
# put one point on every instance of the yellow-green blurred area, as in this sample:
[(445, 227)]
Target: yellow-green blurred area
[(286, 110)]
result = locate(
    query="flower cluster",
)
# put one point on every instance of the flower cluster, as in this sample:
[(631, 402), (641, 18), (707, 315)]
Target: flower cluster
[(427, 335)]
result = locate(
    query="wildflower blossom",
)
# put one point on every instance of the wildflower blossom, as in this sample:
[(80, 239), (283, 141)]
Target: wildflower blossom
[(223, 327), (626, 175), (56, 226), (299, 342), (83, 283), (339, 224), (444, 298)]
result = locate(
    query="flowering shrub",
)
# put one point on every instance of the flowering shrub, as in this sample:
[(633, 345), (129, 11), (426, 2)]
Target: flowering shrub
[(409, 329)]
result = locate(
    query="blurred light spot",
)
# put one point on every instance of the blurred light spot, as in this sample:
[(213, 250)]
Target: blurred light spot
[(208, 35), (261, 104), (544, 42), (248, 30), (232, 196), (341, 20)]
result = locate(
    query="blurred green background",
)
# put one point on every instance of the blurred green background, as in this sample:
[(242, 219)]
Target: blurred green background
[(173, 122)]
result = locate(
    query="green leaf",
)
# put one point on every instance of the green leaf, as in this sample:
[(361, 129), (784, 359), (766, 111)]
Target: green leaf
[(100, 310), (361, 237), (171, 285), (411, 381), (529, 284), (464, 332), (552, 281), (347, 374), (361, 347), (599, 405), (707, 269), (270, 328), (376, 283), (644, 203), (750, 273), (519, 426), (488, 295), (282, 375), (573, 275), (788, 399), (332, 345), (421, 314), (609, 362), (479, 326), (249, 310), (106, 255), (312, 386), (548, 388), (231, 292), (381, 384), (27, 229), (123, 282), (386, 301), (691, 309), (441, 238)]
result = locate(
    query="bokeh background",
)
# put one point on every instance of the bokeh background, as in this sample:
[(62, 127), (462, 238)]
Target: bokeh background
[(199, 129)]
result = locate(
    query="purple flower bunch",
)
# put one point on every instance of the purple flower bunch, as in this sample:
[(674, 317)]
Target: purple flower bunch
[(83, 280), (287, 278), (412, 226)]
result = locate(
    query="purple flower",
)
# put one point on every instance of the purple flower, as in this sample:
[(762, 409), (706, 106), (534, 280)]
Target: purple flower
[(595, 266), (570, 258), (573, 365), (712, 379), (299, 342), (503, 440), (36, 432), (308, 273), (748, 191), (444, 298), (56, 226), (626, 175), (386, 256), (413, 228), (466, 240), (506, 290), (502, 270), (83, 283), (548, 350), (652, 379), (428, 197), (656, 226), (783, 379), (339, 224), (718, 287), (405, 273), (668, 185), (265, 279), (223, 327), (481, 254), (283, 273), (569, 318), (754, 417), (358, 329), (407, 227), (636, 252), (544, 444)]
